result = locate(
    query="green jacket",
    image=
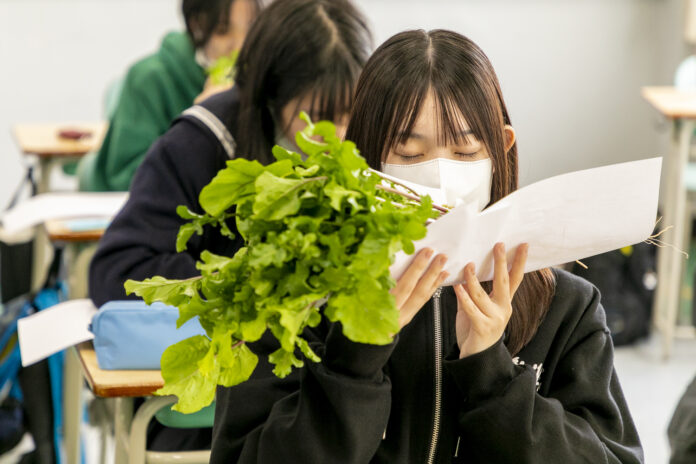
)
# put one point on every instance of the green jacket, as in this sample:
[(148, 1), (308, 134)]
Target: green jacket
[(155, 90)]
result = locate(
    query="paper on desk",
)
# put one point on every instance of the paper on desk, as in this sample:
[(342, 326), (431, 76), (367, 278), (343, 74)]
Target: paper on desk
[(54, 329), (51, 206), (563, 219)]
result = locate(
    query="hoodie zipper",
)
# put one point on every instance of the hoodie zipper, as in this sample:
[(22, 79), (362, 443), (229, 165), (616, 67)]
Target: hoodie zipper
[(437, 326)]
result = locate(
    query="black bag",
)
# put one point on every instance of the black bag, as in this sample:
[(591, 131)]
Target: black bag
[(17, 256), (626, 279)]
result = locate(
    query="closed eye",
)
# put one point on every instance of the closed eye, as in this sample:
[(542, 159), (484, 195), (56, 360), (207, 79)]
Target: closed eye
[(466, 155), (409, 157)]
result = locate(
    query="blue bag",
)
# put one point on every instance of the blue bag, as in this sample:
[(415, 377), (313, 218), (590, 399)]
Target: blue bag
[(133, 335)]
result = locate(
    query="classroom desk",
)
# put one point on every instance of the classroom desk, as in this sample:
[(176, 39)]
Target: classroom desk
[(43, 141), (113, 384), (680, 108), (60, 232), (130, 430), (79, 249)]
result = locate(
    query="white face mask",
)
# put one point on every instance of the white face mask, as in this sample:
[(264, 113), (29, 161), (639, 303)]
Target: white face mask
[(202, 59), (448, 182)]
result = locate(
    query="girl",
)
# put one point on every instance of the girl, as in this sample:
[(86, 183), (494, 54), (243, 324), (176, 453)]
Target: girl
[(159, 87), (517, 371), (298, 55)]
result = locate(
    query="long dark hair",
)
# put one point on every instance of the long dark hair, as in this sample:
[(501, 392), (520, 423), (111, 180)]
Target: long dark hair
[(203, 18), (297, 48), (389, 94)]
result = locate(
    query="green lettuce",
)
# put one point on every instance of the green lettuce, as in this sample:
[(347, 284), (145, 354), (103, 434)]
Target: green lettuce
[(319, 237)]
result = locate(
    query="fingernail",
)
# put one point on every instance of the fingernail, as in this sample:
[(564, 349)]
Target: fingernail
[(443, 259), (444, 275), (429, 253)]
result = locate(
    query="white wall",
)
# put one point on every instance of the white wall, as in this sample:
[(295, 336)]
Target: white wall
[(571, 70), (58, 56)]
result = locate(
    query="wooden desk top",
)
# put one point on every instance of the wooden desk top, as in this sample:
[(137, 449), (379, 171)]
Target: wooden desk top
[(59, 232), (44, 139), (108, 384), (671, 102)]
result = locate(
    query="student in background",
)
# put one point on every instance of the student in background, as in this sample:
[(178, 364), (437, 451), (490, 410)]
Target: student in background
[(519, 370), (298, 55), (159, 87)]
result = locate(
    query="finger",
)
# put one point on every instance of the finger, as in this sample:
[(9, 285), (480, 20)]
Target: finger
[(441, 280), (466, 304), (417, 300), (517, 270), (475, 291), (408, 280), (429, 280), (501, 280)]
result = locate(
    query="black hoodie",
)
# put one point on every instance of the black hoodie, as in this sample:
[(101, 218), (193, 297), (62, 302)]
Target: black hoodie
[(557, 401)]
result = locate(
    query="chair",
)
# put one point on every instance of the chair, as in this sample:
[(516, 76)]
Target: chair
[(160, 409)]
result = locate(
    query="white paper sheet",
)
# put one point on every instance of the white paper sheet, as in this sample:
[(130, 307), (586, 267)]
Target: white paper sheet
[(48, 206), (563, 219), (54, 329)]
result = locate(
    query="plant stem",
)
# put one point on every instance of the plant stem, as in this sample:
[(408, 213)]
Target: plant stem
[(379, 174), (410, 197)]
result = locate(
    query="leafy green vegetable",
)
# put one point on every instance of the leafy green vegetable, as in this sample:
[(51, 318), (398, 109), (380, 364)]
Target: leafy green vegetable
[(221, 72), (320, 233)]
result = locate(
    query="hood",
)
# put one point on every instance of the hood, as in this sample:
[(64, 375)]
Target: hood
[(179, 57)]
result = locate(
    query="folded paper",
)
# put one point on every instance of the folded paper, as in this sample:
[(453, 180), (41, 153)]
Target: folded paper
[(54, 329)]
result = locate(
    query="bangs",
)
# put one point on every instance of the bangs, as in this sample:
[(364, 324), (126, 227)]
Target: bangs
[(452, 127), (331, 96)]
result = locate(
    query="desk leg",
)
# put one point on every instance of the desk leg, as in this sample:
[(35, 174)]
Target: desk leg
[(72, 400), (45, 165), (123, 417), (43, 255), (664, 255), (78, 257), (672, 299)]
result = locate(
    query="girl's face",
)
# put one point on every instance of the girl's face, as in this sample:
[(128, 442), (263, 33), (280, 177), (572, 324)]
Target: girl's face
[(242, 14), (424, 141)]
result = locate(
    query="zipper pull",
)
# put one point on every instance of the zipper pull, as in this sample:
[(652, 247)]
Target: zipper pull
[(437, 293)]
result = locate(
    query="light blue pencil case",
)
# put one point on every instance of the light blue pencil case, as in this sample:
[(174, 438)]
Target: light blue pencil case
[(133, 335)]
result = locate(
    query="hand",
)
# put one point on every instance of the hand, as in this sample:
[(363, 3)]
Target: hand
[(210, 89), (482, 318), (418, 283)]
